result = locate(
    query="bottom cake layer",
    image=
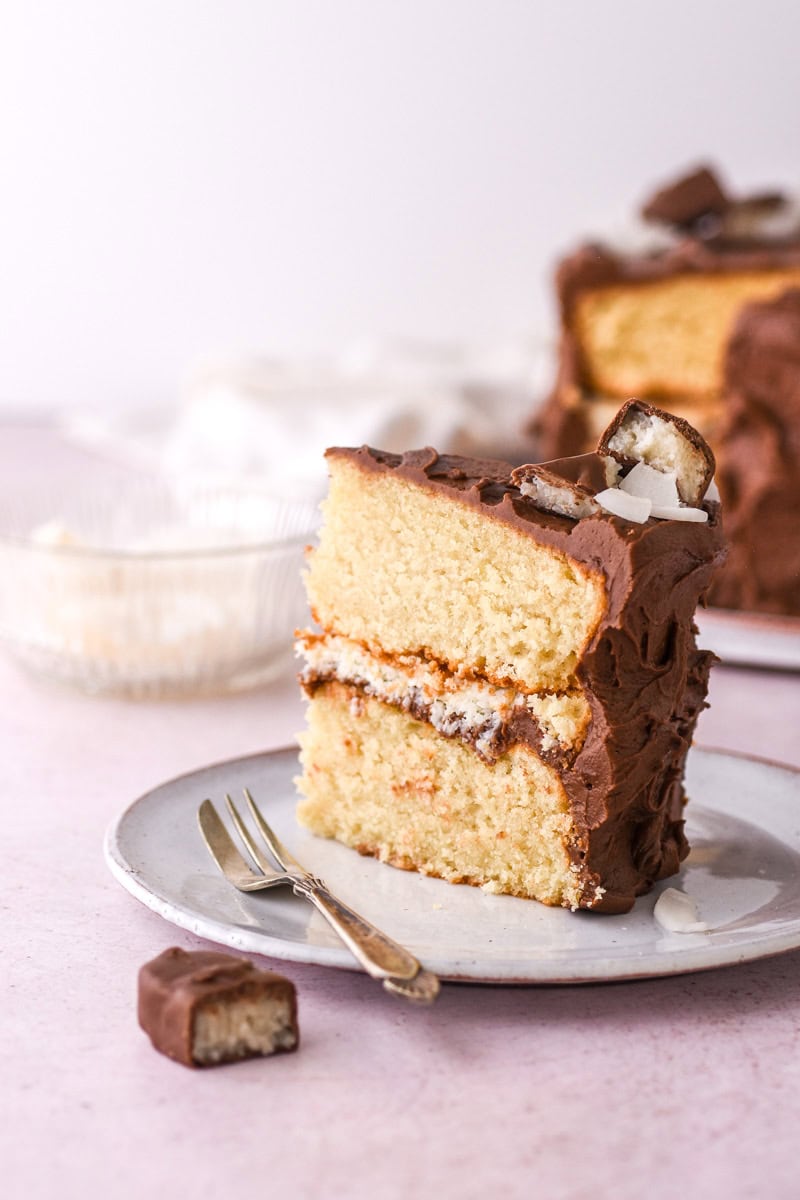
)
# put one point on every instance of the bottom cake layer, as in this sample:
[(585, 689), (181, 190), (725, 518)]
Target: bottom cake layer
[(389, 785)]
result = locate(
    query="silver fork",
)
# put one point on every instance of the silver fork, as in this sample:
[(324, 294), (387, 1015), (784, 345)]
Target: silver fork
[(380, 957)]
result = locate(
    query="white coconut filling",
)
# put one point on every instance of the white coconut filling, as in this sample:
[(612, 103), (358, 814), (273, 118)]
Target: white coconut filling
[(454, 706), (648, 492), (562, 500), (651, 440)]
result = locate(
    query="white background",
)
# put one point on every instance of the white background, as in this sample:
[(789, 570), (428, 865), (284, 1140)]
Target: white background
[(181, 179)]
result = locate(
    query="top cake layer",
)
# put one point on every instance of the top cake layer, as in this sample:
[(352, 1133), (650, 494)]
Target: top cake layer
[(445, 558)]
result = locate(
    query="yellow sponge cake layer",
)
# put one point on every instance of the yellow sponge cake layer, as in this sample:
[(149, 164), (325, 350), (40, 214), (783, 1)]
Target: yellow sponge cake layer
[(404, 570), (391, 786), (666, 337)]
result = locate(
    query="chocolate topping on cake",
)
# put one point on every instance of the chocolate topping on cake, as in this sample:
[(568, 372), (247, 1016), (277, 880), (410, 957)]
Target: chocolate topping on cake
[(688, 200), (759, 460), (698, 206)]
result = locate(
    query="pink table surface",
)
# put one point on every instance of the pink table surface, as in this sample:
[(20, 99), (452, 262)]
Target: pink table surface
[(678, 1087)]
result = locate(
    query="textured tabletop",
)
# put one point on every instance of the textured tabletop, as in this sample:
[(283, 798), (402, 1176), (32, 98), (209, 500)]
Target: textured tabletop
[(678, 1087)]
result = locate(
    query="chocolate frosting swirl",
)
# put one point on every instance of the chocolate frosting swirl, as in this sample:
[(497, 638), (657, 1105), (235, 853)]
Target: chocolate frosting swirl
[(759, 460)]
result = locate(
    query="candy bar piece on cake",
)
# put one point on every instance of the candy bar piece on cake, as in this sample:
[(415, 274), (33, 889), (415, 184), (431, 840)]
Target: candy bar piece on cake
[(203, 1008), (504, 680)]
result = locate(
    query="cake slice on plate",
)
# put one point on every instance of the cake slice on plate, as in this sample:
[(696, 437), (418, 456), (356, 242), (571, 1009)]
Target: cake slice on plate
[(504, 680)]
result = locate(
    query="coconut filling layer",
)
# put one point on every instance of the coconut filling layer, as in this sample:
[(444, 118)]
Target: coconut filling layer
[(479, 713)]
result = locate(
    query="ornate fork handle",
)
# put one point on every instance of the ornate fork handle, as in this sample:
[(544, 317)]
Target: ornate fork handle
[(378, 954)]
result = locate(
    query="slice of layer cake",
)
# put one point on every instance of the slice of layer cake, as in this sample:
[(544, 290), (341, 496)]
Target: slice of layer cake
[(505, 681)]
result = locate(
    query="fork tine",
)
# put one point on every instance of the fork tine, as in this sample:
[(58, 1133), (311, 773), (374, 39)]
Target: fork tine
[(228, 857), (220, 844), (274, 844), (252, 847)]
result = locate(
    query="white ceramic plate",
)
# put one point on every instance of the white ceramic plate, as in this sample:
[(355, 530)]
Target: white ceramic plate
[(751, 639), (743, 873)]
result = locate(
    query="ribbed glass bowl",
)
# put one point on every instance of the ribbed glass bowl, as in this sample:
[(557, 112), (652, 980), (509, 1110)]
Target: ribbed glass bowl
[(148, 589)]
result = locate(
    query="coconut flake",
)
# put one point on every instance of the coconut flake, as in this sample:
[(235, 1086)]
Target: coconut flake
[(666, 512), (712, 492), (622, 504), (677, 913), (660, 487)]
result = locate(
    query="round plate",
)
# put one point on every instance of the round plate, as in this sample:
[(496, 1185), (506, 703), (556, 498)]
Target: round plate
[(743, 873)]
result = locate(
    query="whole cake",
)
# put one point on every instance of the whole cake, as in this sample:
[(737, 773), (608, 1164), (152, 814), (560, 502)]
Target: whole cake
[(661, 316), (504, 680)]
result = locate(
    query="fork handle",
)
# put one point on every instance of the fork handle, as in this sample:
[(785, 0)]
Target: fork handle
[(378, 954)]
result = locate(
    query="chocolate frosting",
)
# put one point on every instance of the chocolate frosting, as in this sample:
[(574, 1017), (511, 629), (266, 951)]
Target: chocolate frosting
[(758, 453), (176, 983), (642, 673)]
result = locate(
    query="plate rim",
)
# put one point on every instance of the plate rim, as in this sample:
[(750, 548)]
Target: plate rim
[(746, 638), (270, 945)]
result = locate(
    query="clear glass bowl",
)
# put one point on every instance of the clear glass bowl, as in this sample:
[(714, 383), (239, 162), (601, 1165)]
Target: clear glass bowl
[(147, 589)]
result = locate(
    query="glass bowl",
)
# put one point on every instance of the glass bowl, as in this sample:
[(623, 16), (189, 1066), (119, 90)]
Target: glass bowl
[(145, 588)]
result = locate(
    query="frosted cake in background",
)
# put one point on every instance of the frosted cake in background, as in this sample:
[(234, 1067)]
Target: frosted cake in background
[(664, 316)]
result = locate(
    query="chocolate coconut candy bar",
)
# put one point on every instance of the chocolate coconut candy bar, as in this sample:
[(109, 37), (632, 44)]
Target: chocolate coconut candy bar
[(204, 1008)]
